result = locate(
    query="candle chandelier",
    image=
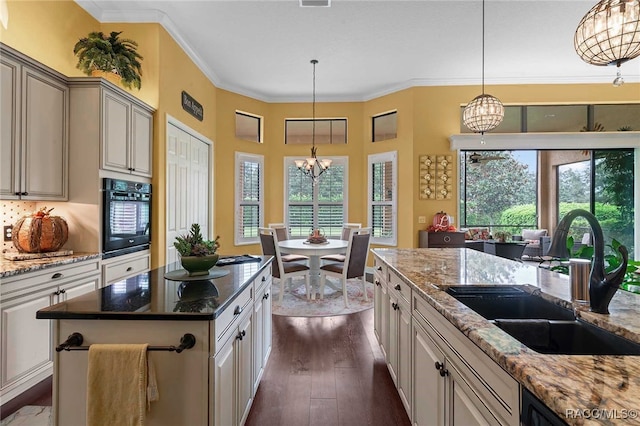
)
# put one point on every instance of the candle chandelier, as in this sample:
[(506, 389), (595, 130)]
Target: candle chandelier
[(311, 166), (609, 34), (484, 112)]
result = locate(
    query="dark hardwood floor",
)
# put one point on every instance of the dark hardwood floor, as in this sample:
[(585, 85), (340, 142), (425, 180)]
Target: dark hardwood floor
[(326, 371), (322, 371)]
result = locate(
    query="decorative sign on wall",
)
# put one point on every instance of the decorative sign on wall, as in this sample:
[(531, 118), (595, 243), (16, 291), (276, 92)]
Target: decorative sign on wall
[(192, 106), (435, 177)]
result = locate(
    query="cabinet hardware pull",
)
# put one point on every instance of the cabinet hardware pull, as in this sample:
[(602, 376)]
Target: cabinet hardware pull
[(264, 279), (133, 169), (266, 296), (397, 287), (56, 275), (63, 291), (379, 268), (378, 283), (439, 365), (395, 306), (241, 335), (18, 193), (444, 372), (74, 341), (56, 293), (237, 310), (130, 268)]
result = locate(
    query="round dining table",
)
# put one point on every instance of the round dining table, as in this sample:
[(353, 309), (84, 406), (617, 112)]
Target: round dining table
[(314, 252)]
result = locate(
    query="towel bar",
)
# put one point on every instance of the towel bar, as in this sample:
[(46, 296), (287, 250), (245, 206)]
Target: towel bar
[(74, 341)]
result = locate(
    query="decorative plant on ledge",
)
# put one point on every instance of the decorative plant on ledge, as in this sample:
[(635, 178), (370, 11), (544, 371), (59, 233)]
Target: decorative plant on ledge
[(98, 52)]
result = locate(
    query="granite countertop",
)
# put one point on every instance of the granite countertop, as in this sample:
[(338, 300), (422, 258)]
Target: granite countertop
[(151, 296), (610, 385), (10, 268)]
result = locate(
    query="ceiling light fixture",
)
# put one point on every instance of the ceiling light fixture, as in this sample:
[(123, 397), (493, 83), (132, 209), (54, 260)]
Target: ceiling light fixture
[(484, 112), (609, 34), (311, 166)]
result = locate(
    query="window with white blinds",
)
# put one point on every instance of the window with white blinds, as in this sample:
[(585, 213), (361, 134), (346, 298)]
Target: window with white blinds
[(309, 206), (249, 198), (383, 196)]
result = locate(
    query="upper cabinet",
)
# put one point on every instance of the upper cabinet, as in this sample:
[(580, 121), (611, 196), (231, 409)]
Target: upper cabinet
[(117, 125), (33, 129)]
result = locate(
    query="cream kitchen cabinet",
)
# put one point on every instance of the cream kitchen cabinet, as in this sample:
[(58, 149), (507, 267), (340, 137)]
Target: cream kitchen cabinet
[(27, 342), (261, 326), (380, 302), (34, 131), (110, 126), (399, 351), (455, 384), (125, 266)]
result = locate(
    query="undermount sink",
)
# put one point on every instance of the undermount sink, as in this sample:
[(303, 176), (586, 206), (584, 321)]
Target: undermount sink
[(540, 324)]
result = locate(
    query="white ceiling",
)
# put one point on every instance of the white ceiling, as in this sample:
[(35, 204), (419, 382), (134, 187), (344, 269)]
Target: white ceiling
[(367, 49)]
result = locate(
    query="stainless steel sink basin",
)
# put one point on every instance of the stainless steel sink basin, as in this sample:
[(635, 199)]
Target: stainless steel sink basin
[(539, 324)]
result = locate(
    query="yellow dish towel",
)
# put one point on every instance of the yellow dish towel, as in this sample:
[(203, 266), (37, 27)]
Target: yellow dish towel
[(117, 379)]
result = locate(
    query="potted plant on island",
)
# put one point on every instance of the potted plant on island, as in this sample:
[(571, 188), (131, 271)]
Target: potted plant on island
[(110, 54), (197, 255)]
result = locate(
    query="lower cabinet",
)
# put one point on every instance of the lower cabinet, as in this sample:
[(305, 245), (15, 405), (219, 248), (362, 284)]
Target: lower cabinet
[(26, 341), (125, 266), (262, 327), (233, 392)]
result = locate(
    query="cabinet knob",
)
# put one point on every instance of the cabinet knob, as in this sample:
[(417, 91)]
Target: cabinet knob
[(439, 365), (241, 335), (378, 283), (63, 291), (237, 310), (17, 193), (395, 306), (397, 287), (447, 239), (264, 279), (56, 276), (444, 372), (130, 268), (56, 293), (379, 268), (266, 296)]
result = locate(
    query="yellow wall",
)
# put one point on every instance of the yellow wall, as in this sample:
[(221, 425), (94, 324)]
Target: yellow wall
[(427, 116)]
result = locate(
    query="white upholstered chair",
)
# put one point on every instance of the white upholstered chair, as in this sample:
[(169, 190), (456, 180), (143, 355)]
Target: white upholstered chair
[(353, 266), (284, 271), (283, 234)]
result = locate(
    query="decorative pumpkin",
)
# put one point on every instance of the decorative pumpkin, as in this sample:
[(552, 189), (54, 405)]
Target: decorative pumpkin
[(441, 221), (40, 232)]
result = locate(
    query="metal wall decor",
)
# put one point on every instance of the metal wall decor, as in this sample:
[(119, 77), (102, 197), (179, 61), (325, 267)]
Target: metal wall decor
[(435, 177)]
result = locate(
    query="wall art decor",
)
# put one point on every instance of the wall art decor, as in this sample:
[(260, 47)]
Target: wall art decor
[(436, 174)]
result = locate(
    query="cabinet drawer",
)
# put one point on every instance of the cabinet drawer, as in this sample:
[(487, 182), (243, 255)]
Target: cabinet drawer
[(445, 239), (117, 271), (229, 317), (399, 287), (31, 281), (262, 280), (379, 270)]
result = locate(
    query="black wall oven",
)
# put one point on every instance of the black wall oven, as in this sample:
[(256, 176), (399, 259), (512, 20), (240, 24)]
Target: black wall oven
[(126, 213)]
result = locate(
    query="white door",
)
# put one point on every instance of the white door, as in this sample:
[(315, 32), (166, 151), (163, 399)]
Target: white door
[(188, 185)]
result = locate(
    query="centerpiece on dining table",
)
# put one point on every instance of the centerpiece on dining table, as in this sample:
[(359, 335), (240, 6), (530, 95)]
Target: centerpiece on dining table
[(316, 237)]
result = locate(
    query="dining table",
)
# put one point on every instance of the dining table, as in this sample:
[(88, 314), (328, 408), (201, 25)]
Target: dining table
[(314, 251)]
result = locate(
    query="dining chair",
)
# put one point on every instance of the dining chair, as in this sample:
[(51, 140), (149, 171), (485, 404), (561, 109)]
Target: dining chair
[(353, 266), (346, 232), (282, 232), (284, 271)]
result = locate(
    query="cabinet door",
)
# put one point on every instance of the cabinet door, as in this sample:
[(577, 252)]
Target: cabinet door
[(428, 385), (225, 389), (267, 323), (385, 305), (116, 113), (244, 351), (141, 142), (9, 128), (80, 287), (392, 349), (465, 407), (26, 341), (377, 307), (404, 355), (258, 337), (44, 136)]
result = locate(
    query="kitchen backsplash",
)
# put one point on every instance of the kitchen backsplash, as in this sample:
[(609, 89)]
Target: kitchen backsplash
[(11, 211)]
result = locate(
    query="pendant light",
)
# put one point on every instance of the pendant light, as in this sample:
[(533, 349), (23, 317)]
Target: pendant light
[(609, 34), (484, 112), (311, 166)]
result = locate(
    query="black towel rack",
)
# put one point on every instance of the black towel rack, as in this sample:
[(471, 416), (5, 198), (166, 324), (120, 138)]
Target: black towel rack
[(74, 342)]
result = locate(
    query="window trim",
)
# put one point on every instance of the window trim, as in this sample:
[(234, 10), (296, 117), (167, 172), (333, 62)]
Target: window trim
[(260, 126), (373, 125), (379, 158), (342, 159), (256, 158), (319, 120)]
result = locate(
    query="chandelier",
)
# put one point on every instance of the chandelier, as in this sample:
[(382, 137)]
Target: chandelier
[(609, 34), (484, 112), (311, 166)]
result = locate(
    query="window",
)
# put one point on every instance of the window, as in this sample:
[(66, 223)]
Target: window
[(328, 131), (323, 205), (384, 126), (498, 190), (383, 195), (248, 127), (249, 198)]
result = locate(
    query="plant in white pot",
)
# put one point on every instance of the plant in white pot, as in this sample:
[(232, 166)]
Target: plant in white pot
[(110, 54), (197, 255)]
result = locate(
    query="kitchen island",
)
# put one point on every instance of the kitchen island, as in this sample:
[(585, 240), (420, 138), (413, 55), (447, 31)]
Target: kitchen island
[(214, 381), (481, 361)]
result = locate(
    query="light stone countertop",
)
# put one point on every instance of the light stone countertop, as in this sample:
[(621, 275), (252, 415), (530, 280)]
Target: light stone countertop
[(562, 382), (9, 268)]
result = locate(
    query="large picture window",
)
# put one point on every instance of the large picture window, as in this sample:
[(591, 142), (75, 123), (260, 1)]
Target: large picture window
[(383, 196), (323, 205), (249, 197)]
